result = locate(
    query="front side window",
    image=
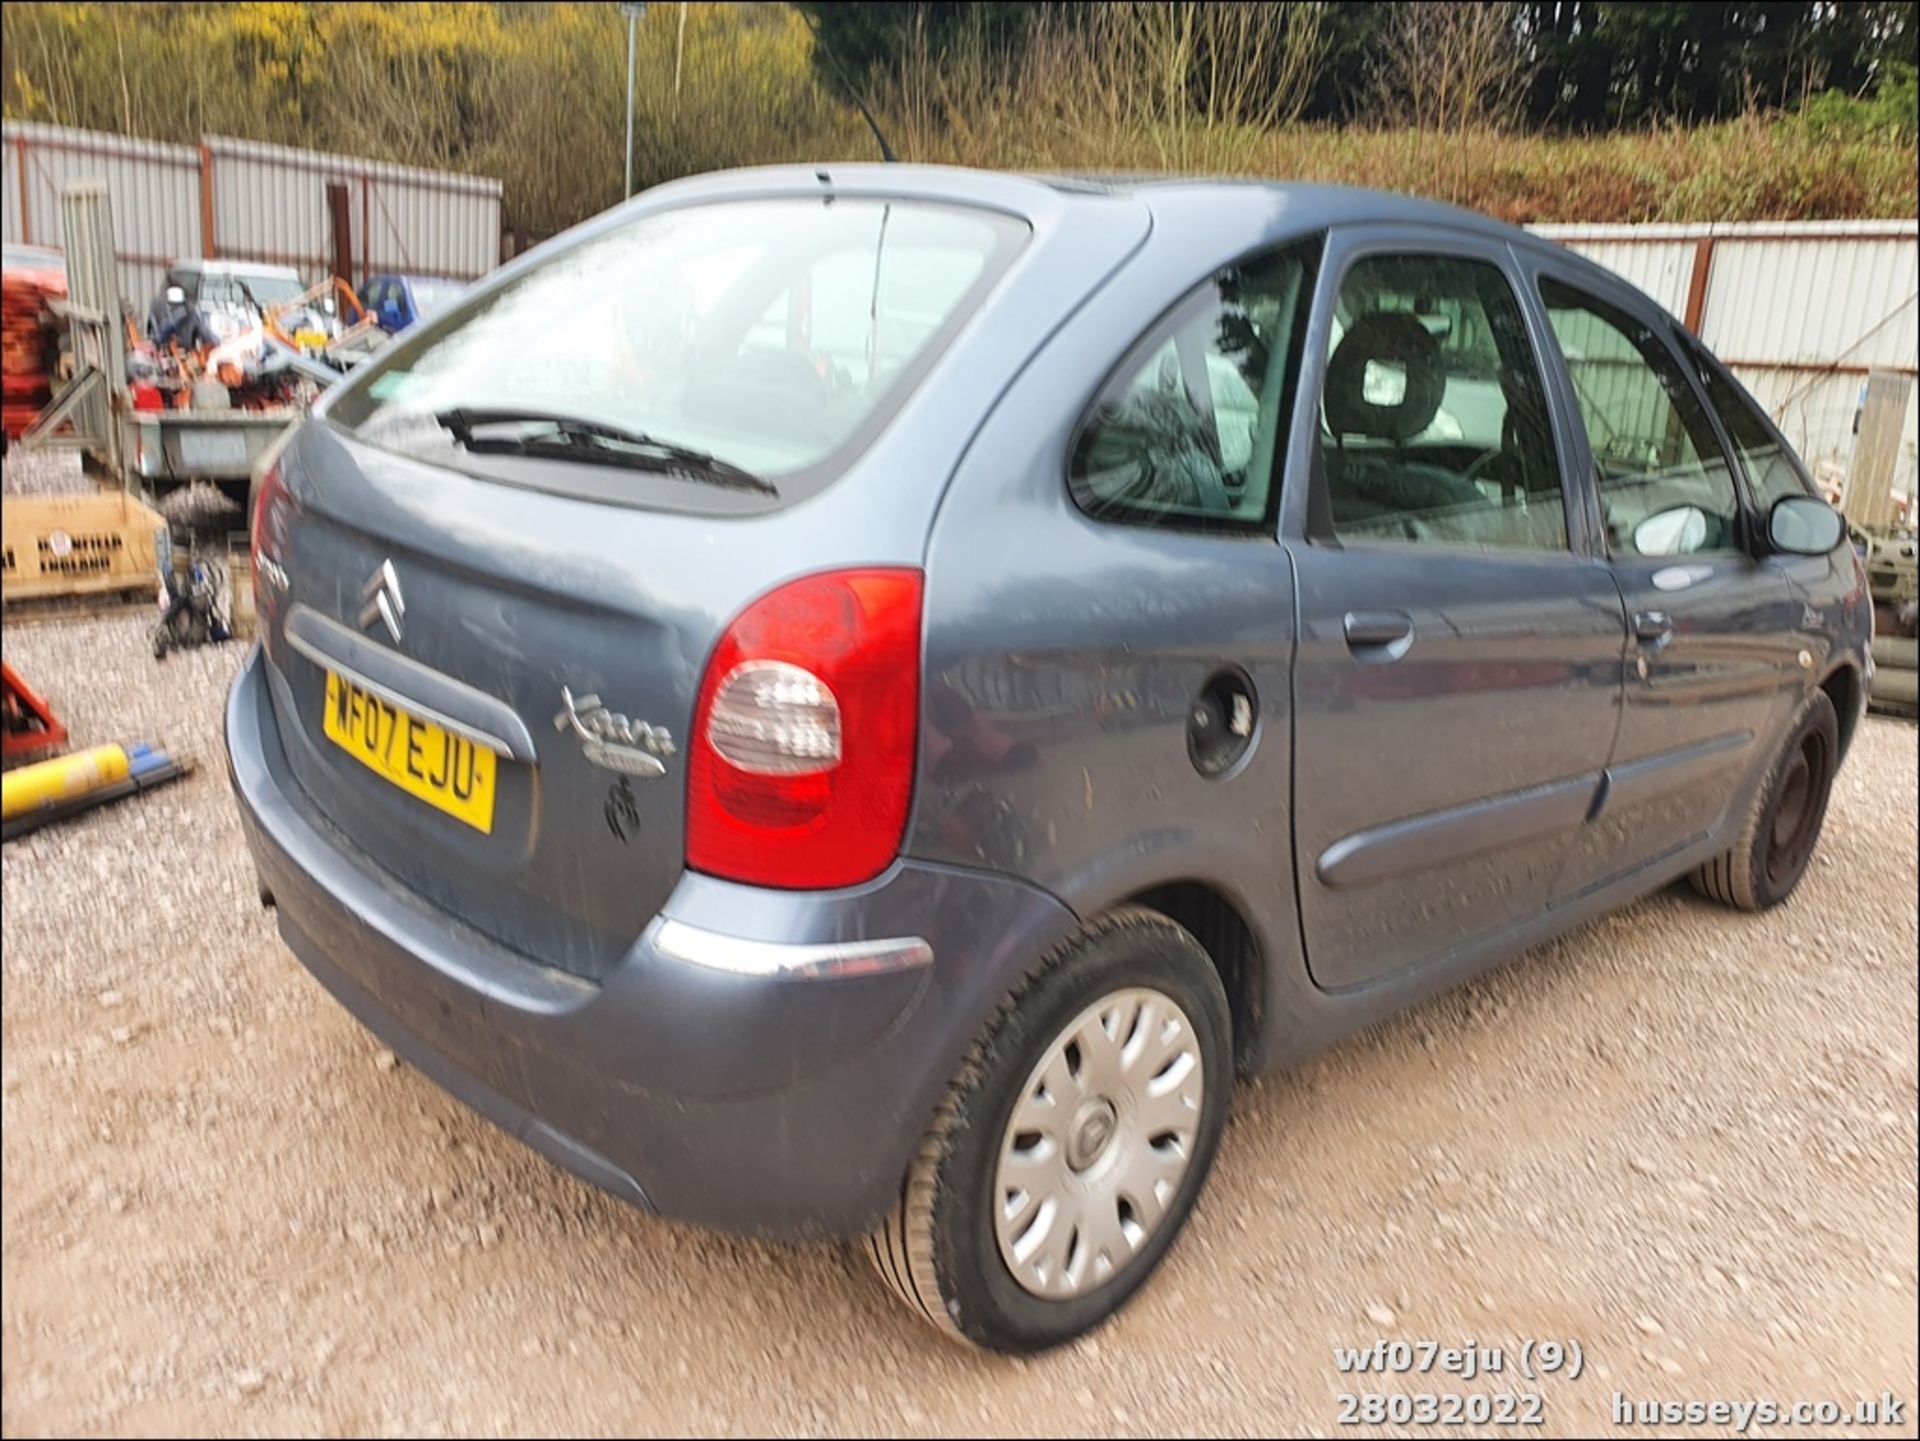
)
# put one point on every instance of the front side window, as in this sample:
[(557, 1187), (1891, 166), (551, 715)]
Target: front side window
[(1434, 424), (1665, 486), (771, 337), (1187, 431), (1772, 471)]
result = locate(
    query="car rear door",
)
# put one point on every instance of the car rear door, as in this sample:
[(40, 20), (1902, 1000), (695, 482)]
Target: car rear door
[(1711, 669), (1460, 646)]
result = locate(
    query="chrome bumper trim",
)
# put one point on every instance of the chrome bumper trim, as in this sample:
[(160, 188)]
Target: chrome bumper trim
[(696, 946)]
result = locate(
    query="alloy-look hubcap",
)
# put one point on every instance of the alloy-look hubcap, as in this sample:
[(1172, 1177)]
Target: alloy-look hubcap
[(1099, 1141)]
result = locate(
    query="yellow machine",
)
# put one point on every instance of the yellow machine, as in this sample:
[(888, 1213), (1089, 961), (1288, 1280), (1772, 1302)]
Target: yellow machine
[(49, 783), (34, 795)]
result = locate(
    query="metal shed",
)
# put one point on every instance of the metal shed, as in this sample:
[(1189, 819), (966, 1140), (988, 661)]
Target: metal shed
[(155, 191), (271, 203), (242, 200)]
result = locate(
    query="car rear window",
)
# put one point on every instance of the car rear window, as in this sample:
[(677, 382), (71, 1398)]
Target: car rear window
[(776, 336), (233, 289)]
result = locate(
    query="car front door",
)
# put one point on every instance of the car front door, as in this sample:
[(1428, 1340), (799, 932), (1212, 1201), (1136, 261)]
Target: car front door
[(1461, 642), (1710, 670)]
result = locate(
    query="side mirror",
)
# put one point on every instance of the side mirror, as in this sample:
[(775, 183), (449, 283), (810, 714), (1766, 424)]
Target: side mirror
[(1802, 525), (1678, 531)]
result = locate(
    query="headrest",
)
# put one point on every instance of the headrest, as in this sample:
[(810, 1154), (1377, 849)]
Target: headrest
[(1396, 341)]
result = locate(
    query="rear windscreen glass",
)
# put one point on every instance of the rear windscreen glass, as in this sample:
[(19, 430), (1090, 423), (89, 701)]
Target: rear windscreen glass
[(775, 336)]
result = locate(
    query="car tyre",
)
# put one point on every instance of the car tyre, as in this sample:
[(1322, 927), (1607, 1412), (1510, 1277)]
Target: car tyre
[(943, 1250), (1777, 837)]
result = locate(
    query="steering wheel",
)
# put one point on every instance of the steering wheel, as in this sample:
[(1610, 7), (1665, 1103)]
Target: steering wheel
[(1481, 462)]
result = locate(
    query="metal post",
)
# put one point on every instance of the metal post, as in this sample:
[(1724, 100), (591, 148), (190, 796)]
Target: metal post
[(679, 51), (1884, 400), (631, 21), (633, 11)]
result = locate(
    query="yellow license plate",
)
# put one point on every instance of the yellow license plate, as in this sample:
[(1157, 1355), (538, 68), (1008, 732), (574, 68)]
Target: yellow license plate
[(429, 762)]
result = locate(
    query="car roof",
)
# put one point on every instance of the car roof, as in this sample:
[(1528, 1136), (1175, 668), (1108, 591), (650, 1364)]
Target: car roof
[(1314, 203), (1313, 206), (1274, 208), (236, 267), (1308, 205)]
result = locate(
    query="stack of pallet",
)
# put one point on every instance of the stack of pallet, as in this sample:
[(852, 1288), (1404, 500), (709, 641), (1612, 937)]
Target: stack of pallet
[(25, 384)]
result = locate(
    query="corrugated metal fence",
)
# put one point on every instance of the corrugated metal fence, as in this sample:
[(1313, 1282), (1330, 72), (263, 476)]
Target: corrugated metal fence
[(154, 189), (1801, 311), (270, 203), (241, 200)]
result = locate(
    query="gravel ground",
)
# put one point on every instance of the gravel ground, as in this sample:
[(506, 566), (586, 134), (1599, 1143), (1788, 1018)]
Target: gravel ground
[(1684, 1138)]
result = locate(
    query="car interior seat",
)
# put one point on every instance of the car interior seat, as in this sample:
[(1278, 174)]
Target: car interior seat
[(1375, 490), (1388, 493)]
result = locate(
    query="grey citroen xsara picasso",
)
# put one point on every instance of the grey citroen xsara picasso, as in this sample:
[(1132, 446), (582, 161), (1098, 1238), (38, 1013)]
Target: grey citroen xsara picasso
[(855, 702)]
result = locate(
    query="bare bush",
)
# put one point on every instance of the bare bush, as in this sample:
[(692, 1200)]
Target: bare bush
[(1450, 67), (535, 94), (1195, 77)]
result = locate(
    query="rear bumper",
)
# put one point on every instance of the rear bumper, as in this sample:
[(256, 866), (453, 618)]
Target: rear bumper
[(762, 1061)]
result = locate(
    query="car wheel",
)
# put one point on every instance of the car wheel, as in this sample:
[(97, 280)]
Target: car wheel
[(1776, 840), (1068, 1153)]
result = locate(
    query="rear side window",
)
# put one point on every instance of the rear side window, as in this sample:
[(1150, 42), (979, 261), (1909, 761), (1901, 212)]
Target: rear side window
[(1772, 471), (1434, 425), (1187, 431), (1652, 443), (773, 336)]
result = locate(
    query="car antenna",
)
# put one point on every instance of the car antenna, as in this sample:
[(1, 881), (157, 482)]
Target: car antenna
[(886, 150)]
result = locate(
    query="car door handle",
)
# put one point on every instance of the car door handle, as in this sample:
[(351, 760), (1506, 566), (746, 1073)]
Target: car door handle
[(1651, 627), (1379, 630)]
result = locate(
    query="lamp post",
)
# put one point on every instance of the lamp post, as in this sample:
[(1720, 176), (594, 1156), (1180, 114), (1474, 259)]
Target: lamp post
[(633, 10)]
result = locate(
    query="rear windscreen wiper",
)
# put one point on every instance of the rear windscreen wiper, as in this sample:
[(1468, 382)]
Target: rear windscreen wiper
[(551, 436)]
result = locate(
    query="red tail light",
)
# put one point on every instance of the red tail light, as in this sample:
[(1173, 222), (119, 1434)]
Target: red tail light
[(801, 762), (269, 541), (267, 496)]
